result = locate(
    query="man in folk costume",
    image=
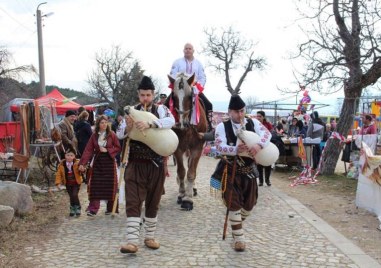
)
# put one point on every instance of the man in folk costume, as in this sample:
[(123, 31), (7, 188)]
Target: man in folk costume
[(241, 191), (145, 172), (67, 132), (190, 65)]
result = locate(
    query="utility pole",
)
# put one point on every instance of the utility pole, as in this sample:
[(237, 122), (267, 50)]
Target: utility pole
[(40, 51)]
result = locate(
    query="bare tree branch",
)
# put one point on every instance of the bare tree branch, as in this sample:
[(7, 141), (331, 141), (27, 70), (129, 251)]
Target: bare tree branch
[(227, 48), (341, 53), (112, 76)]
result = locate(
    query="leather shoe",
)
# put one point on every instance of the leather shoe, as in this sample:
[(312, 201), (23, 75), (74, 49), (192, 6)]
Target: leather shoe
[(151, 243), (239, 246), (268, 183), (129, 248), (260, 184)]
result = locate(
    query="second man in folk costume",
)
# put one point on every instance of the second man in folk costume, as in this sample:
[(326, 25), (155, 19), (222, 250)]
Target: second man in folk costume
[(241, 191), (145, 173)]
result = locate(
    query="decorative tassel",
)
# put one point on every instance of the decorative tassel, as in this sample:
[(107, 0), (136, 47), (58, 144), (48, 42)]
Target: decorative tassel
[(217, 187)]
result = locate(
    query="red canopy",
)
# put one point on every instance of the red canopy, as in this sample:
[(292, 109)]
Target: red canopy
[(62, 103)]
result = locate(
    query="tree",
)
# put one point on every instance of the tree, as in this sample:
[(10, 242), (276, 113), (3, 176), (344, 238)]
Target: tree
[(9, 87), (250, 103), (342, 53), (115, 78), (231, 51), (6, 68)]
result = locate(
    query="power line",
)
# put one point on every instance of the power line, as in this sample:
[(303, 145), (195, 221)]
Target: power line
[(27, 9), (22, 44), (21, 24)]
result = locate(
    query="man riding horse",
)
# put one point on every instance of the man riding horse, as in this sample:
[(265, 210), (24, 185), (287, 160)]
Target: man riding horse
[(189, 65)]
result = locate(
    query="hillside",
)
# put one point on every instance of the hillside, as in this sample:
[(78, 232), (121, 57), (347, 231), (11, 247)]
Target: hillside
[(10, 89)]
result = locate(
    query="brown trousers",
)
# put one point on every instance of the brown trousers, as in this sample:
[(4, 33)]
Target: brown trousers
[(244, 193), (144, 182)]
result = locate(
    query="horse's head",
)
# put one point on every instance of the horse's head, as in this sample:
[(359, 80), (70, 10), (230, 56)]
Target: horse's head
[(182, 95), (182, 84)]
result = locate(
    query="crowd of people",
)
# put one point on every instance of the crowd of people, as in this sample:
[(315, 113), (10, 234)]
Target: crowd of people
[(93, 153)]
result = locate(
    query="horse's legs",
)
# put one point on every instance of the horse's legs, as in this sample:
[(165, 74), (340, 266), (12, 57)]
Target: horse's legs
[(194, 157), (180, 174)]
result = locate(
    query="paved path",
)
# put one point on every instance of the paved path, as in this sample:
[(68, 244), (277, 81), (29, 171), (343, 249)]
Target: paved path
[(280, 233)]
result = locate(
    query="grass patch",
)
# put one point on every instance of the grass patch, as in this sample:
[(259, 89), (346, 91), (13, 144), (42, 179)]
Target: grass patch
[(338, 184), (332, 184)]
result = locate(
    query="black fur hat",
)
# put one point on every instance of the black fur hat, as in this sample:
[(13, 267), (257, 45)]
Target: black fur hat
[(146, 83), (236, 103)]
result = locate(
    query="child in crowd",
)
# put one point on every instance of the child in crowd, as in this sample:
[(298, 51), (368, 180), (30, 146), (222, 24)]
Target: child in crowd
[(68, 174)]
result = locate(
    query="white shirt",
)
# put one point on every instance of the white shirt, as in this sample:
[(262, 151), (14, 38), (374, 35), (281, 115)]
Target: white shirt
[(189, 67), (102, 139), (221, 140)]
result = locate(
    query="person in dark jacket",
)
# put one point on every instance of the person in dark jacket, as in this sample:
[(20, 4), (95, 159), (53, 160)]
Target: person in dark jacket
[(300, 129), (316, 130), (82, 131), (261, 116), (67, 132)]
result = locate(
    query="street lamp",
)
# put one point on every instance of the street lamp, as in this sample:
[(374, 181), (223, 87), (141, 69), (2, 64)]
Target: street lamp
[(40, 49)]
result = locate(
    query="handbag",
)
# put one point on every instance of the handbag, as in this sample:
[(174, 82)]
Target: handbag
[(20, 161)]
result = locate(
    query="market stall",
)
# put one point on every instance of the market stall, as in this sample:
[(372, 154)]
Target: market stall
[(59, 101), (290, 157), (31, 134), (368, 195)]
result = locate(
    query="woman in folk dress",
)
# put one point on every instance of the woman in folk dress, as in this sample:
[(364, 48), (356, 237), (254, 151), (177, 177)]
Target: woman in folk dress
[(103, 146)]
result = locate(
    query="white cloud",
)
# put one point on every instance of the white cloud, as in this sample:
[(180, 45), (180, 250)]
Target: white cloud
[(155, 31)]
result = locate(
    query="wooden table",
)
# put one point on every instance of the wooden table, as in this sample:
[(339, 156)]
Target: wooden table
[(291, 158)]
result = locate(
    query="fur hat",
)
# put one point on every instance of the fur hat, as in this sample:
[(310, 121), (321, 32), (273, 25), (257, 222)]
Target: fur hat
[(236, 103), (146, 83), (69, 113)]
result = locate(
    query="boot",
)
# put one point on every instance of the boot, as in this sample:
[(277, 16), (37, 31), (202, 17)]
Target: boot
[(129, 248), (239, 246), (150, 228), (260, 177), (267, 175), (209, 118), (133, 229), (77, 210), (72, 211), (151, 243)]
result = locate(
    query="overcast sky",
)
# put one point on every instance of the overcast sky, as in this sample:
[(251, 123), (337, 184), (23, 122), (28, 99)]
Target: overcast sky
[(155, 31)]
